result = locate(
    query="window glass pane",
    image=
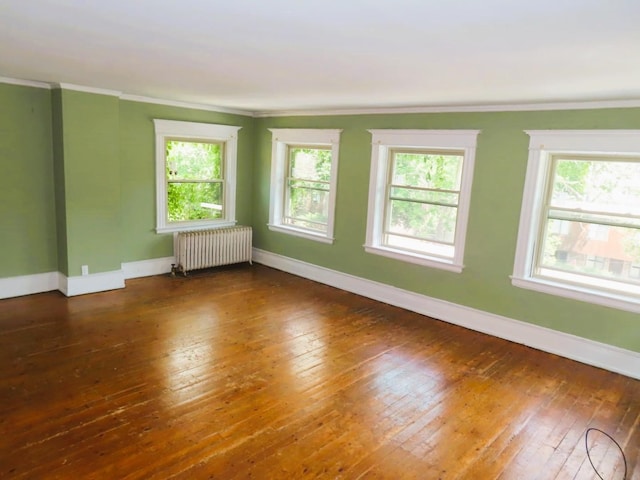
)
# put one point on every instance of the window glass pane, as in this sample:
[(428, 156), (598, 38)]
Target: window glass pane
[(306, 224), (424, 195), (597, 186), (194, 201), (430, 222), (308, 208), (634, 272), (419, 246), (193, 160), (426, 170), (591, 249), (310, 163)]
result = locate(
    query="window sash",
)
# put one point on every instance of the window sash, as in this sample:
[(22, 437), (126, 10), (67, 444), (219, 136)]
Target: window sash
[(589, 259), (286, 214), (290, 180), (550, 212), (289, 170), (197, 141), (554, 161), (417, 200), (394, 152), (389, 197), (595, 218), (324, 188), (200, 180), (210, 206), (195, 181), (581, 278)]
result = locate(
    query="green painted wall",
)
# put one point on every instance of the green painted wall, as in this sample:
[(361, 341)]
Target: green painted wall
[(27, 212), (496, 197), (87, 156), (138, 188), (86, 163)]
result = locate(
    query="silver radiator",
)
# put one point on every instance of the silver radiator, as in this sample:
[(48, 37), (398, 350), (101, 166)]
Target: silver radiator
[(211, 248)]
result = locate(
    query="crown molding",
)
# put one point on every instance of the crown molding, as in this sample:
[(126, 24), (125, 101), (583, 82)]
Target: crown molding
[(25, 83), (516, 107), (125, 96), (85, 89), (194, 106)]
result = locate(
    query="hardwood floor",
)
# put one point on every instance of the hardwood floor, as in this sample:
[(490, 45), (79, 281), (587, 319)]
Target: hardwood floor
[(247, 372)]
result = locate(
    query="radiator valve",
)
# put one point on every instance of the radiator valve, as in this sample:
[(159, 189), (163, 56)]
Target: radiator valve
[(177, 269)]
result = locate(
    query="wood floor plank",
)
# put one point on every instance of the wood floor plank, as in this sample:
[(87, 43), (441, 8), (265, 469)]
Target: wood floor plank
[(247, 372)]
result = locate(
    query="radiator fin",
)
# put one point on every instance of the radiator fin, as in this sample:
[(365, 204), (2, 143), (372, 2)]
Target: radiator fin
[(212, 248)]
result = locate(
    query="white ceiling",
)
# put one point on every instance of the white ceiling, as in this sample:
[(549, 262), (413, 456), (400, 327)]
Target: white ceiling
[(324, 54)]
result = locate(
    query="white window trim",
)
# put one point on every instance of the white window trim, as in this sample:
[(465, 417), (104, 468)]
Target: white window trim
[(385, 140), (542, 146), (204, 132), (282, 137)]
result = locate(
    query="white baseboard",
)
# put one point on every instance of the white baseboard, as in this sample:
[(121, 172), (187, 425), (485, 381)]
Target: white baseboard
[(577, 348), (72, 286), (28, 284), (594, 353), (147, 268), (96, 282)]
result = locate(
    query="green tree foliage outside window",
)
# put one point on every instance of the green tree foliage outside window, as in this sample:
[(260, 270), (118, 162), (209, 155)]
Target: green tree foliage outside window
[(423, 193), (194, 180), (308, 185)]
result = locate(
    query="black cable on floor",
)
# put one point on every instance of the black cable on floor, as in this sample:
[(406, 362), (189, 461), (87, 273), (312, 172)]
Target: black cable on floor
[(586, 444)]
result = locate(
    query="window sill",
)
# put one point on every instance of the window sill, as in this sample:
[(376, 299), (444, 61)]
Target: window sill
[(424, 260), (318, 237), (192, 226), (575, 292)]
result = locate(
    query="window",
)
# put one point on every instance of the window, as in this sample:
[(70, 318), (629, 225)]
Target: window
[(304, 166), (195, 175), (579, 230), (419, 194)]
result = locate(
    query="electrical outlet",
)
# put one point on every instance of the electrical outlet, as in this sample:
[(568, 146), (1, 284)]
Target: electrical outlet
[(85, 269)]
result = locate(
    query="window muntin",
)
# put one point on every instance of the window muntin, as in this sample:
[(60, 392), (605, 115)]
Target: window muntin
[(591, 215), (195, 175), (308, 187), (304, 168), (422, 200), (580, 218), (195, 180), (419, 194)]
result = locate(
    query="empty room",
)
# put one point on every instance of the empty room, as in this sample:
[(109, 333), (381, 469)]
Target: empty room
[(341, 240)]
